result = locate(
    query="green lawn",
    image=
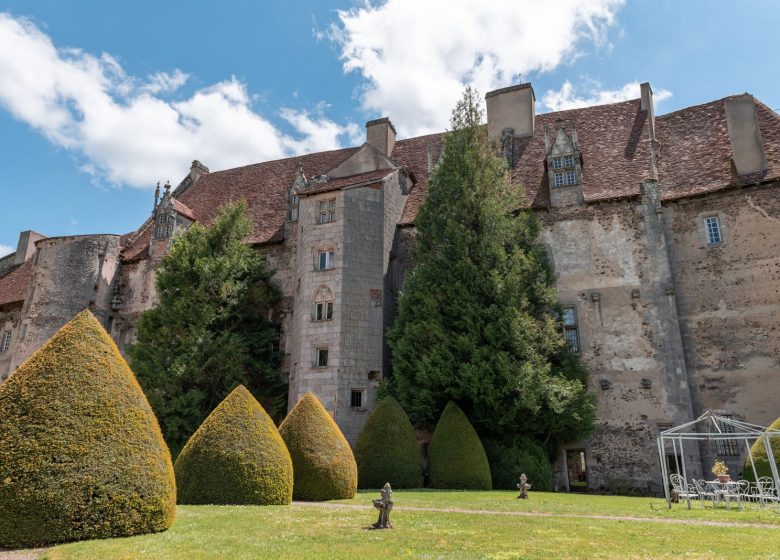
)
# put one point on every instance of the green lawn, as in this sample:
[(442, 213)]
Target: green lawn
[(318, 531)]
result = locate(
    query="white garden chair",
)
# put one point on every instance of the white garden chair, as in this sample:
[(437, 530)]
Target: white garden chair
[(766, 490), (704, 491), (683, 489)]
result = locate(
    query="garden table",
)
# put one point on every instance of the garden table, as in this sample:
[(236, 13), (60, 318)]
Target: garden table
[(724, 491)]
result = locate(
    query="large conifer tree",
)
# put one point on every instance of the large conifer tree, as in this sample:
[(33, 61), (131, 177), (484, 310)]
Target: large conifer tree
[(210, 331), (478, 321)]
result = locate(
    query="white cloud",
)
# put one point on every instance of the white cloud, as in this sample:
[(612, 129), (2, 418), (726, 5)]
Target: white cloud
[(123, 131), (568, 97), (417, 56), (6, 250)]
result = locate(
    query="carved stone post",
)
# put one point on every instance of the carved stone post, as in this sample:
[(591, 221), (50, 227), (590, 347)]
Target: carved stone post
[(384, 505)]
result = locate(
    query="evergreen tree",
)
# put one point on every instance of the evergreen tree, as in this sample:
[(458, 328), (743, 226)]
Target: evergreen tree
[(210, 331), (478, 321)]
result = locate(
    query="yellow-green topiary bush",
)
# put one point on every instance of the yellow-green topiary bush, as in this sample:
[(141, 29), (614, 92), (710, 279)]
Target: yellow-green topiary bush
[(760, 456), (235, 457), (81, 453), (386, 450), (323, 463), (456, 458)]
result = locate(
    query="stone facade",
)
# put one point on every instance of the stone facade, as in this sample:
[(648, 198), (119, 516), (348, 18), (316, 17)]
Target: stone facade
[(669, 322)]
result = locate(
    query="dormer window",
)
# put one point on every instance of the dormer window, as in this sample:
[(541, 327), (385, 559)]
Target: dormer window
[(571, 178), (557, 163), (559, 179), (294, 208), (568, 161)]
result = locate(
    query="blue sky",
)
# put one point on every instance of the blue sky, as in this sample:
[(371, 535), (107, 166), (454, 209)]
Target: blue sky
[(98, 100)]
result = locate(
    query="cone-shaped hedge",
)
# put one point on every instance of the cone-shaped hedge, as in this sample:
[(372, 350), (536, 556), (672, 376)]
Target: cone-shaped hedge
[(236, 457), (323, 463), (81, 453), (456, 458), (386, 450), (760, 457)]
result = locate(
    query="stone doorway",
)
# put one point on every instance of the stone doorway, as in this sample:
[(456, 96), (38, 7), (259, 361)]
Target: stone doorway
[(577, 470)]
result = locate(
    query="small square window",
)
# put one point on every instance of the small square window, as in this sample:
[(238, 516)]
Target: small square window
[(6, 342), (325, 260), (712, 226), (571, 178), (356, 398), (557, 163), (568, 161), (321, 357), (559, 179)]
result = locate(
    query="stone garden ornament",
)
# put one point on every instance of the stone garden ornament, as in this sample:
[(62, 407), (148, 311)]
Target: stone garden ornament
[(523, 487), (384, 505)]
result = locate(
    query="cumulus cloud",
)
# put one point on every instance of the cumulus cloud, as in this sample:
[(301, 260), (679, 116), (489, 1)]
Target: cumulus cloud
[(418, 56), (6, 250), (568, 97), (121, 127)]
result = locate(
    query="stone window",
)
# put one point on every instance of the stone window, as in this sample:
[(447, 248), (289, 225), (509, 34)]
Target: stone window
[(327, 212), (168, 230), (571, 178), (356, 399), (323, 311), (557, 163), (726, 447), (559, 179), (326, 259), (6, 342), (712, 227), (321, 357), (571, 330), (568, 161), (294, 201)]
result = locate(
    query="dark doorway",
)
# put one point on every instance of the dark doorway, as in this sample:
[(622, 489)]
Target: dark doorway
[(577, 468)]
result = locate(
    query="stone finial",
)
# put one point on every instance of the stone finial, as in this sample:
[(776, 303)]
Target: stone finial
[(384, 504), (157, 195), (167, 187)]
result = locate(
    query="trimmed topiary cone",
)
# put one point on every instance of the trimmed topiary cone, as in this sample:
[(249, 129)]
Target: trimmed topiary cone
[(386, 450), (456, 458), (323, 463), (81, 453), (760, 456), (235, 457)]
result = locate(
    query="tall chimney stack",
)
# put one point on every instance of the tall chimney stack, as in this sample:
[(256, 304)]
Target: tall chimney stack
[(512, 107), (380, 133), (747, 146)]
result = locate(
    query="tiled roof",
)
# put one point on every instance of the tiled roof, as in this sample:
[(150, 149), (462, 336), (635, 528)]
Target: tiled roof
[(613, 139), (13, 286), (339, 183), (182, 209)]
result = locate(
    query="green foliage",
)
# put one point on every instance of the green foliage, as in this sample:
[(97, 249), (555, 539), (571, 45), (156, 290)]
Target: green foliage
[(81, 453), (323, 463), (210, 330), (478, 321), (236, 457), (386, 450), (511, 457), (456, 458), (760, 456)]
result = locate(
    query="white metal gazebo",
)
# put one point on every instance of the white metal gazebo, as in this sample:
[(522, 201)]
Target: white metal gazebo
[(712, 427)]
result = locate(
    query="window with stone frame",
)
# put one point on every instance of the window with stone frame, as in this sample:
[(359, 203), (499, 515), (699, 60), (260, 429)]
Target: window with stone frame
[(571, 331), (713, 230), (558, 180), (327, 212), (325, 259), (557, 162), (321, 357), (322, 304), (357, 399), (571, 178), (5, 344), (294, 202), (726, 447)]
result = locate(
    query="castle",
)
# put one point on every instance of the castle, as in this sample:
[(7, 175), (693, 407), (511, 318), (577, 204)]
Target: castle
[(664, 235)]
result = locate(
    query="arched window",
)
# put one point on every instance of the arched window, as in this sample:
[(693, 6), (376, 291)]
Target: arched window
[(322, 304)]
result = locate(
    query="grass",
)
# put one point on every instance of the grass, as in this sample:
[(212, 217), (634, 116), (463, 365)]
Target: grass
[(321, 531)]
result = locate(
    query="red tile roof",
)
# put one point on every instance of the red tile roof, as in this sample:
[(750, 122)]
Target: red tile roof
[(13, 286), (335, 184), (613, 139), (183, 209)]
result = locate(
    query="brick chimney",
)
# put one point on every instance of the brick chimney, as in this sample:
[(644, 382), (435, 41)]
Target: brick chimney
[(197, 169), (380, 133), (512, 107), (747, 146)]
